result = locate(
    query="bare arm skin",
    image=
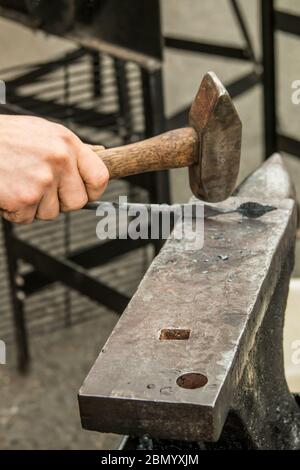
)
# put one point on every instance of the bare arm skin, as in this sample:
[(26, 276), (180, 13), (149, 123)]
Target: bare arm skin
[(45, 169)]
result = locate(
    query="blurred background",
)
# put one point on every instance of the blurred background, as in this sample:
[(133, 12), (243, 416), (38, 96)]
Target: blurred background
[(112, 89)]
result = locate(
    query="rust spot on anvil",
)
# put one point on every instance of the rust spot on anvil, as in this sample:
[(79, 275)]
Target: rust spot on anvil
[(174, 334)]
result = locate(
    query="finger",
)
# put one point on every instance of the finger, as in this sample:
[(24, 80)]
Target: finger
[(93, 172), (24, 216), (72, 193), (96, 148), (49, 207)]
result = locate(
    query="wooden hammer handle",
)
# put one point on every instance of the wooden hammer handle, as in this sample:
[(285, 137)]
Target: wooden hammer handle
[(174, 149)]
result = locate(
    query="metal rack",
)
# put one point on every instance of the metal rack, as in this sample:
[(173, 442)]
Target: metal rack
[(263, 69), (272, 21), (244, 53), (104, 100)]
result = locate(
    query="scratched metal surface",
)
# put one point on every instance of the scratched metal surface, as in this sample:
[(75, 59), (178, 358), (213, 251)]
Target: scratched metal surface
[(219, 293)]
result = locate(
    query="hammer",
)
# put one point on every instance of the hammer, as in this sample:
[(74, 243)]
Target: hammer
[(210, 146)]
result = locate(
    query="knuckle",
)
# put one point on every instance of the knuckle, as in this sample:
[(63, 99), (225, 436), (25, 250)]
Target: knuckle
[(80, 202), (28, 198), (60, 156), (10, 207), (67, 136), (76, 204), (10, 216), (99, 181), (46, 178), (17, 218)]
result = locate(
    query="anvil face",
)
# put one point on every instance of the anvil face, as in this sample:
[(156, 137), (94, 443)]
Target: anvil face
[(201, 332)]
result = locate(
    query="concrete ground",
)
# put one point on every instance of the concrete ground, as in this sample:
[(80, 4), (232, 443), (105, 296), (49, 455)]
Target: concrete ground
[(40, 411)]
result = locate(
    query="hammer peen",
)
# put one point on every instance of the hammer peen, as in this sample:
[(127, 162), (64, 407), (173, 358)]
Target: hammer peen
[(210, 146)]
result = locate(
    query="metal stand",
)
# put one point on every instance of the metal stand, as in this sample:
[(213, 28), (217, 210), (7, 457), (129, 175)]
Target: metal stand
[(264, 70), (73, 270), (239, 85), (272, 21), (17, 299)]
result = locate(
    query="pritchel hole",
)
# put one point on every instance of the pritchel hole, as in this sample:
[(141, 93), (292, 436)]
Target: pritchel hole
[(192, 380), (174, 333)]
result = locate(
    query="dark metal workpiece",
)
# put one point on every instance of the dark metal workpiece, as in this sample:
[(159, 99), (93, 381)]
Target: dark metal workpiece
[(223, 383), (252, 210)]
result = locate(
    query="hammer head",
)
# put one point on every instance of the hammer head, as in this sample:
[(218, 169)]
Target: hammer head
[(215, 119)]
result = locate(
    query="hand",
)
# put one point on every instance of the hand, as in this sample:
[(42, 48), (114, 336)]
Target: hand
[(45, 169)]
